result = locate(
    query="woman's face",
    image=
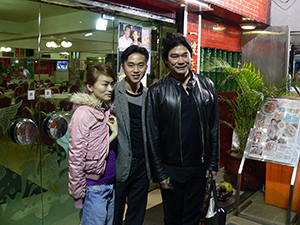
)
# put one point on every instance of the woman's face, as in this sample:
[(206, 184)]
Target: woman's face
[(102, 89), (135, 35)]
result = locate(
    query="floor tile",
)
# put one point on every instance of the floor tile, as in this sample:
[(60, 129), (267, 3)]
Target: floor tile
[(265, 212), (239, 221), (282, 217), (154, 198), (257, 210)]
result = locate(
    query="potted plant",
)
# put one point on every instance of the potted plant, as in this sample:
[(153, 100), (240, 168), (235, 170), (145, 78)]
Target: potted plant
[(250, 95)]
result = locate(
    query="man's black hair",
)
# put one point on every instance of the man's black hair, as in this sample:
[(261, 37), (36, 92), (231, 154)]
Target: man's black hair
[(127, 26), (134, 49), (174, 40)]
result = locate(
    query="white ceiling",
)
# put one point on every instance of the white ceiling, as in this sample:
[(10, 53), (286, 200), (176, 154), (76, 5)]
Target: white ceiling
[(19, 26), (27, 10)]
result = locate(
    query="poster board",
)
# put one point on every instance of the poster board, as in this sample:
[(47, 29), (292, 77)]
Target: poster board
[(133, 35), (275, 135)]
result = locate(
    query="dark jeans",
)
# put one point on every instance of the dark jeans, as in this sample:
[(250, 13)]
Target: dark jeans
[(182, 203), (135, 189)]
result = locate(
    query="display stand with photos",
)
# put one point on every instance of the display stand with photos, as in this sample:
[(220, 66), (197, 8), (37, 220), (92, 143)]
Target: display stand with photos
[(275, 139)]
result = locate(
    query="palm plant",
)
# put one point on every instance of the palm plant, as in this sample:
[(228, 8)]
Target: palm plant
[(250, 96)]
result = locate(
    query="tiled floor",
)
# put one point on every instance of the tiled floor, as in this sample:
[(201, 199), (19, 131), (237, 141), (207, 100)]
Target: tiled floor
[(256, 212), (259, 213)]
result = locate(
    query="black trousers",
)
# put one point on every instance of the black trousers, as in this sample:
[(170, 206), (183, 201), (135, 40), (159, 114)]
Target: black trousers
[(135, 190), (182, 203)]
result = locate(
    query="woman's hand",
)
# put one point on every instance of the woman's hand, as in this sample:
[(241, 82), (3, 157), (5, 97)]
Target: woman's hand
[(113, 125)]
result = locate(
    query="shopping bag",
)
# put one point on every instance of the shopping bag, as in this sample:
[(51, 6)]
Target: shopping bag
[(215, 215)]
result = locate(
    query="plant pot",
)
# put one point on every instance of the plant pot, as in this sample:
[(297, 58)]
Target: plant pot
[(253, 175)]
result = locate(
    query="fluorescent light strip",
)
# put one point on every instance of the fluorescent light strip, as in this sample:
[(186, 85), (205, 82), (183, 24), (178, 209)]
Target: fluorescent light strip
[(136, 12), (108, 17), (206, 6)]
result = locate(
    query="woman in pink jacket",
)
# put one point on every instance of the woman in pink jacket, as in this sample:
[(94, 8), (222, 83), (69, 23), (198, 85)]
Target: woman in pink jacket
[(92, 161)]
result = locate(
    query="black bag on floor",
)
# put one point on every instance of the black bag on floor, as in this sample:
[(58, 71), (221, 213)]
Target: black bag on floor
[(215, 215)]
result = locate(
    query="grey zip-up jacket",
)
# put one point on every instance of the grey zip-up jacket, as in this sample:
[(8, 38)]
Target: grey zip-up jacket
[(120, 109), (163, 113)]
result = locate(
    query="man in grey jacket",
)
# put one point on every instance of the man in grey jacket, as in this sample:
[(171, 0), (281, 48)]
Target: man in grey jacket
[(132, 163)]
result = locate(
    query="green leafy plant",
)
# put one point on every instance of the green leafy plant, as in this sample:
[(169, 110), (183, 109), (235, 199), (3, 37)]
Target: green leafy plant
[(250, 95)]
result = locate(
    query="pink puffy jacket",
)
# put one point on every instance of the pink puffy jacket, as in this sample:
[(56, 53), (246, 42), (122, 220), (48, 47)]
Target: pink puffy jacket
[(89, 144)]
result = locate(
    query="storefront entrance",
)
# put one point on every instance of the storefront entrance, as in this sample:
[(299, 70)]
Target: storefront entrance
[(45, 49)]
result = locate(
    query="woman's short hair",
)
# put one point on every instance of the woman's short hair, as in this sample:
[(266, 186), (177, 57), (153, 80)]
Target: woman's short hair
[(96, 70)]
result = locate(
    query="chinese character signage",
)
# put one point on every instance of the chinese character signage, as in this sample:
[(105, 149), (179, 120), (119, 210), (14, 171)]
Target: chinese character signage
[(275, 136)]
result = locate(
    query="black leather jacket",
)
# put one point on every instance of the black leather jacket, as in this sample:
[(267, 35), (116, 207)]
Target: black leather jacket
[(163, 108)]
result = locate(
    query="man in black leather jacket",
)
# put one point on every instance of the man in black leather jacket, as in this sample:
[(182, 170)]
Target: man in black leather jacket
[(182, 119)]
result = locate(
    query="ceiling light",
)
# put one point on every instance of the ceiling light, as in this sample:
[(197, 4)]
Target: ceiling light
[(58, 44), (182, 5), (248, 23), (108, 17), (101, 24), (218, 28), (248, 26), (51, 44), (5, 49), (66, 44), (88, 34), (204, 6), (65, 53)]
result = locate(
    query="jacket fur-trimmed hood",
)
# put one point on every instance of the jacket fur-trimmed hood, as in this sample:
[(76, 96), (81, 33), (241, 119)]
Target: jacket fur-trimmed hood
[(86, 99)]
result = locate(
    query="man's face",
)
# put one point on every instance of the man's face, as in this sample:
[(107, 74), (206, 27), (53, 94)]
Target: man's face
[(127, 32), (179, 60), (135, 68)]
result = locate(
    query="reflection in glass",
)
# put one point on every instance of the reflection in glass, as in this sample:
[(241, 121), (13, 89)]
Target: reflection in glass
[(28, 166), (55, 126), (23, 131)]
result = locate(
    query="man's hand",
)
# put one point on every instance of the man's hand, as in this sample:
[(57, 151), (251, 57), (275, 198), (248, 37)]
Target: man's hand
[(165, 183), (211, 173)]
